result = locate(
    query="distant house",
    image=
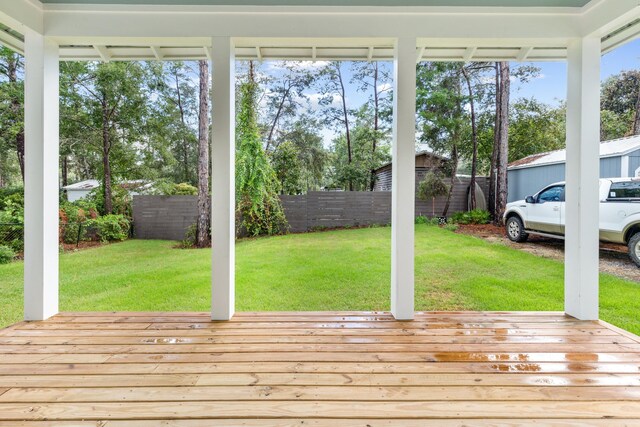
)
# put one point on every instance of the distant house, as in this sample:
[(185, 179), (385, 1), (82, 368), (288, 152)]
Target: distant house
[(425, 162), (618, 158), (81, 189)]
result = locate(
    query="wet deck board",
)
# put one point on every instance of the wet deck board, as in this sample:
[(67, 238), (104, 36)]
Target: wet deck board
[(318, 369)]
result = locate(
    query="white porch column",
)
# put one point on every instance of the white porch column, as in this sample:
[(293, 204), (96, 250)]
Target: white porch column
[(582, 174), (403, 179), (41, 118), (223, 180)]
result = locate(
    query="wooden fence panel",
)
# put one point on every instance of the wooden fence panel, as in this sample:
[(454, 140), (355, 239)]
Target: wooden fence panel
[(169, 217)]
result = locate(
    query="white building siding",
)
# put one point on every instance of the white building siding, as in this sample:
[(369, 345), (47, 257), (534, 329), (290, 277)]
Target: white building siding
[(634, 163), (528, 181), (610, 167)]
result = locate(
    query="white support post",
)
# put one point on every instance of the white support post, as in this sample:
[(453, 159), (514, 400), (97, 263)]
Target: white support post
[(223, 179), (41, 118), (582, 174), (403, 180), (624, 167)]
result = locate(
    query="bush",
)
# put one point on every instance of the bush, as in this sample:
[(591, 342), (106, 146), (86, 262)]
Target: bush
[(476, 216), (111, 228), (6, 254), (72, 219), (426, 220), (167, 188), (190, 237), (184, 189), (11, 222), (120, 201), (11, 193), (451, 227)]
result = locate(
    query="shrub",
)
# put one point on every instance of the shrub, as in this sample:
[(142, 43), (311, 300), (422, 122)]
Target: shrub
[(72, 219), (167, 188), (120, 201), (11, 193), (11, 222), (190, 237), (476, 216), (427, 221), (430, 187), (451, 227), (111, 228), (6, 254), (184, 189)]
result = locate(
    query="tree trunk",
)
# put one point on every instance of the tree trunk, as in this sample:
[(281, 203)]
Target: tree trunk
[(503, 156), (65, 170), (474, 139), (16, 106), (20, 150), (185, 142), (203, 159), (376, 122), (636, 118), (496, 149), (454, 172), (285, 95), (106, 183), (345, 112)]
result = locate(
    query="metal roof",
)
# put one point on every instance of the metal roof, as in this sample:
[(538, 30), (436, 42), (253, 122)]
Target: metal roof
[(88, 184), (613, 148)]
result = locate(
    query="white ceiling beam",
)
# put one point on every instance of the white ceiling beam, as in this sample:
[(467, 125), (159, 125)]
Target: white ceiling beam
[(524, 53), (157, 52), (66, 21), (605, 16), (306, 53), (21, 15), (469, 52), (103, 52), (420, 54), (12, 42)]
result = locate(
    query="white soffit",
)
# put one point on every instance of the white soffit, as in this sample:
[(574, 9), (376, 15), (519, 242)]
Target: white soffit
[(321, 49)]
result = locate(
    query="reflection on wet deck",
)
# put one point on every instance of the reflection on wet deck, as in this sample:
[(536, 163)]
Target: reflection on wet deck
[(317, 369)]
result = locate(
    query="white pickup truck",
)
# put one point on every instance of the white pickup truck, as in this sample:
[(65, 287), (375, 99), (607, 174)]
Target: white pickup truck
[(544, 214)]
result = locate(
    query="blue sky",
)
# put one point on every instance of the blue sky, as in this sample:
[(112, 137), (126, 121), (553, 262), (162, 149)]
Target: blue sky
[(549, 87)]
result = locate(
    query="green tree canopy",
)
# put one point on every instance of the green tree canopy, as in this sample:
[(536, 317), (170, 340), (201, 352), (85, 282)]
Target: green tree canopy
[(258, 205)]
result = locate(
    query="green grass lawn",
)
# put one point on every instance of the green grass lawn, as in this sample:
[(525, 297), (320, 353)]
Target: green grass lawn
[(337, 270)]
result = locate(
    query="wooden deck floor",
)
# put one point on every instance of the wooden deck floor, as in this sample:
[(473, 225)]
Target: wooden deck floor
[(317, 369)]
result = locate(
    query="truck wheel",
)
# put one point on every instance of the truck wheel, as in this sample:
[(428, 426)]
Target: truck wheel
[(634, 248), (515, 230)]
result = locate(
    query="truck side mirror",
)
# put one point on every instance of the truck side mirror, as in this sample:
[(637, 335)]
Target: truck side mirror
[(530, 199)]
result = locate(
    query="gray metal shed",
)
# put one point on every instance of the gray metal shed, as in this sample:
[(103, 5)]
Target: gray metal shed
[(618, 158)]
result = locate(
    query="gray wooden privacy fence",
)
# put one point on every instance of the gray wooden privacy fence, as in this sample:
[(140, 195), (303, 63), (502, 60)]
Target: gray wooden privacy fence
[(169, 217)]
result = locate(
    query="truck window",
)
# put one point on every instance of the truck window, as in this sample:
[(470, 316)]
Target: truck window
[(553, 194), (625, 190)]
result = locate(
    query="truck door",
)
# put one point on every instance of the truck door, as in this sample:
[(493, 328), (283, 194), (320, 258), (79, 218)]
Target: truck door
[(545, 214)]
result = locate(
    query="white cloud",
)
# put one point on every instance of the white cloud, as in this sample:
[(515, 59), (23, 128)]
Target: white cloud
[(385, 87), (302, 65)]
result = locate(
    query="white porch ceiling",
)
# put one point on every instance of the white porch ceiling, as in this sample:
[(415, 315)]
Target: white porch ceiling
[(385, 3), (451, 30), (320, 49)]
